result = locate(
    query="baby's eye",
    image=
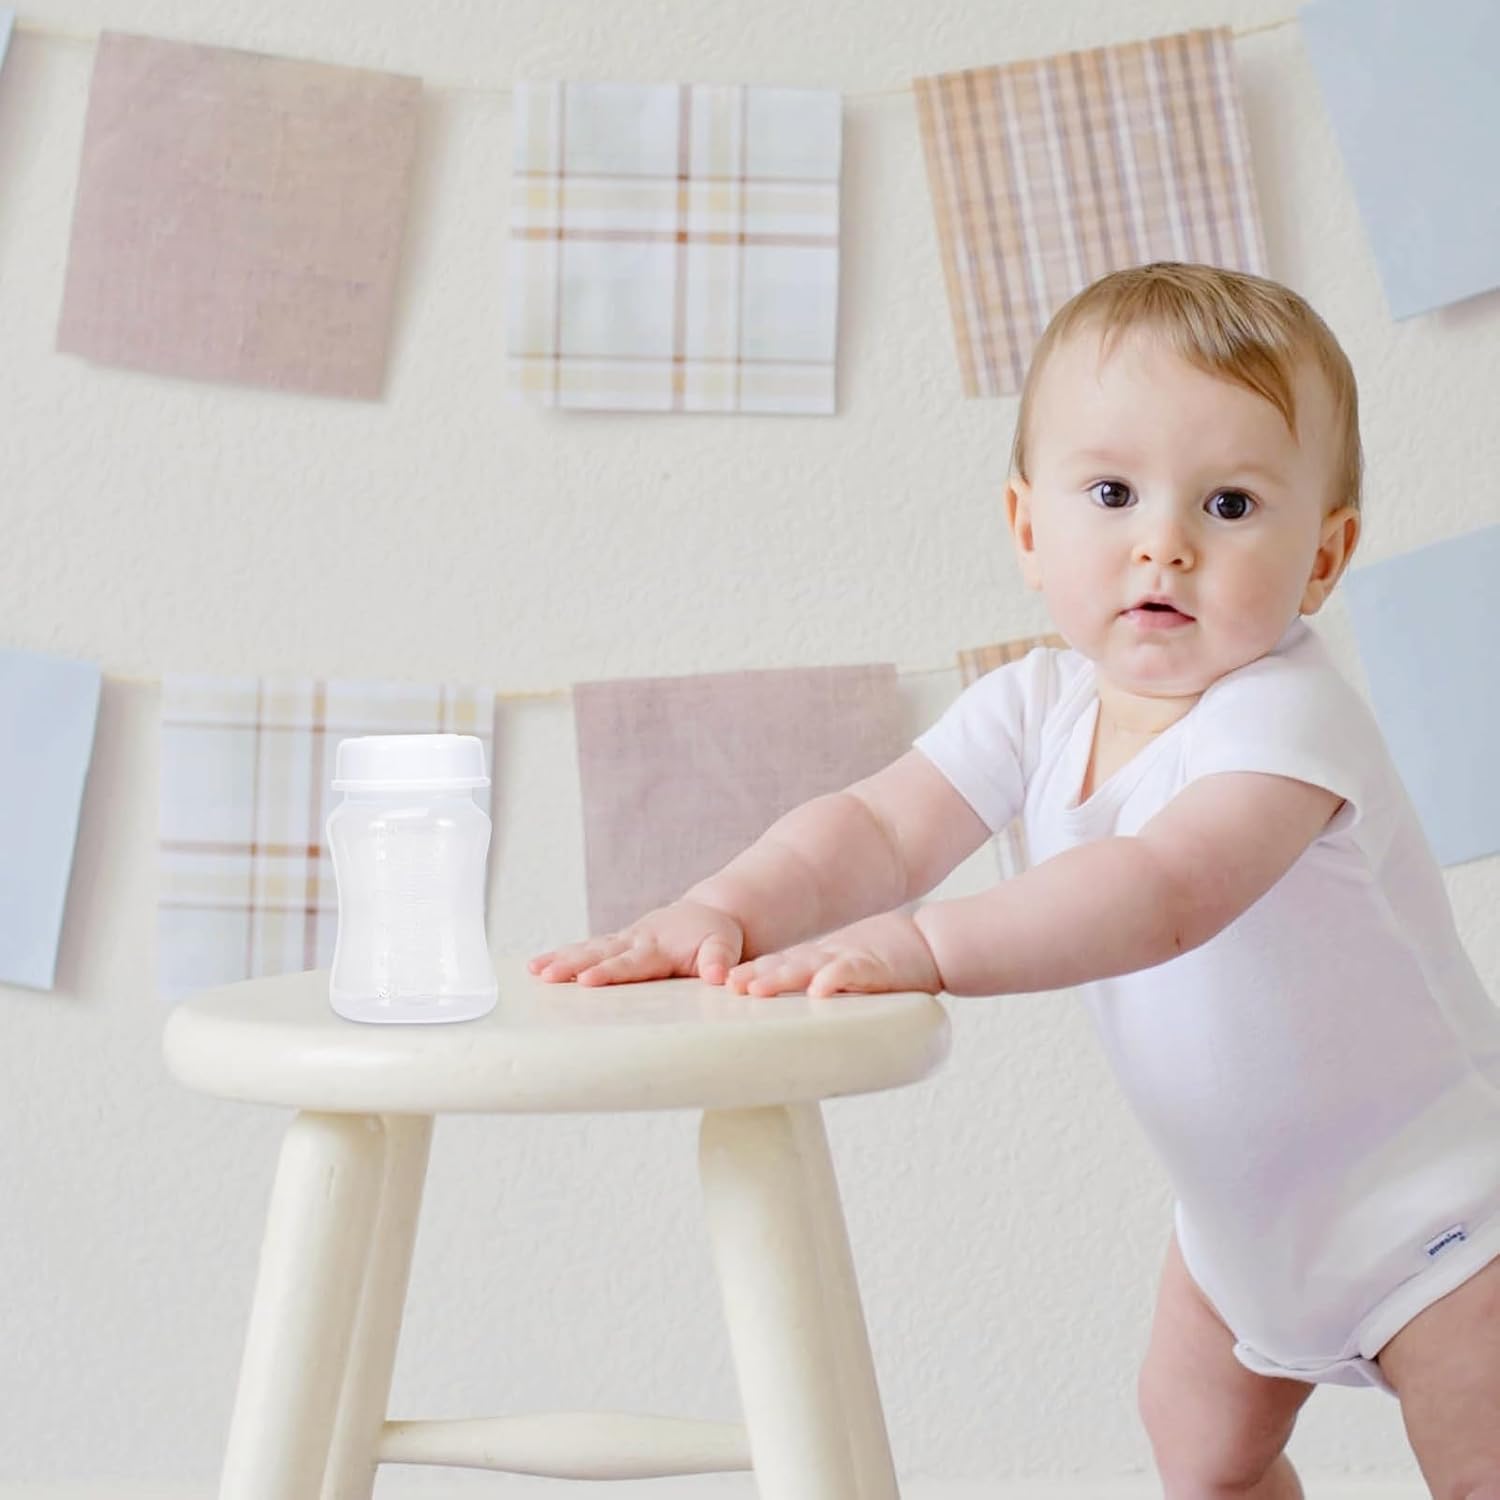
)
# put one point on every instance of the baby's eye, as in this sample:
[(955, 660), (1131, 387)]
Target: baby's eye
[(1111, 494), (1230, 505)]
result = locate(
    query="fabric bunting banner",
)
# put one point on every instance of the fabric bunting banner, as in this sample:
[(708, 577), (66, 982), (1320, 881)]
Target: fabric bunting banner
[(1423, 171), (1047, 175), (1426, 622), (48, 709), (239, 217), (675, 248), (678, 774), (247, 885)]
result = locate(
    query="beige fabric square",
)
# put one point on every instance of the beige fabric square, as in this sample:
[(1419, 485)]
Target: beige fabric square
[(678, 774), (1046, 175), (239, 217), (675, 247), (246, 880), (1011, 855)]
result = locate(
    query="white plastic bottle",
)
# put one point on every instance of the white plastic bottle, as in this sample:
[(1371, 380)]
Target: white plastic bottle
[(409, 845)]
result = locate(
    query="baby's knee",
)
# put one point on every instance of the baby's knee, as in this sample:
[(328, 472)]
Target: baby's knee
[(1206, 1449)]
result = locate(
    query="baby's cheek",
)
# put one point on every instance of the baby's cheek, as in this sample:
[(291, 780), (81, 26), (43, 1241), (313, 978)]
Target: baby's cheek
[(1081, 607), (1255, 610)]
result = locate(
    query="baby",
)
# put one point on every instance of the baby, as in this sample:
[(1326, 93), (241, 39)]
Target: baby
[(1222, 853)]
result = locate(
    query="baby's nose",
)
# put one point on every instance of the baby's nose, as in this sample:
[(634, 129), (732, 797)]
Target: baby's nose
[(1166, 547)]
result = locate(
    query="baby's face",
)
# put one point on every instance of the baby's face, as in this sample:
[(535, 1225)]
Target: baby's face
[(1170, 517)]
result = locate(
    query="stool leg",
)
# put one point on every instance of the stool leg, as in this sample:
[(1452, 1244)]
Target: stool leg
[(867, 1433), (307, 1290), (350, 1474), (765, 1246)]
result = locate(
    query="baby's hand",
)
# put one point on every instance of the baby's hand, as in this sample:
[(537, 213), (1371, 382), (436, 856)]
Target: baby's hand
[(683, 940), (878, 955)]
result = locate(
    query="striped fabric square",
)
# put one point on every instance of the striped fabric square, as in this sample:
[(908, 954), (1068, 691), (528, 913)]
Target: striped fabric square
[(246, 881), (1046, 175), (1011, 856), (674, 247), (678, 774), (239, 217)]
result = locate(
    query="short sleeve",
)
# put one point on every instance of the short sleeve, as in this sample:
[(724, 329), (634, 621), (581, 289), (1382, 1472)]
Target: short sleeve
[(1293, 715), (982, 743)]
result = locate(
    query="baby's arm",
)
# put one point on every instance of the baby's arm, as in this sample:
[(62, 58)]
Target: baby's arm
[(1128, 903), (877, 844)]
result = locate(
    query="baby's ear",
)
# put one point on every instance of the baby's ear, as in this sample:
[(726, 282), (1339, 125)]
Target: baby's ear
[(1336, 545), (1018, 514)]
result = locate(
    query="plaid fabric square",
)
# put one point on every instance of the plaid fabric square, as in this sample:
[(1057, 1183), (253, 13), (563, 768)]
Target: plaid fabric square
[(678, 774), (239, 217), (1046, 175), (675, 247), (247, 885), (1011, 855)]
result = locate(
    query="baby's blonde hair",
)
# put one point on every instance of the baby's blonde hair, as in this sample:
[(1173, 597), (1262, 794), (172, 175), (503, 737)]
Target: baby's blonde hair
[(1243, 328)]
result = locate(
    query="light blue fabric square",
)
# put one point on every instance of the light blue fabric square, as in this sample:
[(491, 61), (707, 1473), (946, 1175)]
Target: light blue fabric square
[(1410, 88), (48, 708), (1428, 625), (7, 21)]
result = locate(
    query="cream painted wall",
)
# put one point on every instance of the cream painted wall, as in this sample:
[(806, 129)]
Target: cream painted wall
[(1007, 1219)]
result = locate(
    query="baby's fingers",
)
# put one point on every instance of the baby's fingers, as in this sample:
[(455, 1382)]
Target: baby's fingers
[(773, 974), (715, 958), (852, 974), (838, 974), (647, 962), (567, 963)]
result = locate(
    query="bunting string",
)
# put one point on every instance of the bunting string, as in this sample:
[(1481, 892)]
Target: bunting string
[(88, 39), (536, 695), (50, 33)]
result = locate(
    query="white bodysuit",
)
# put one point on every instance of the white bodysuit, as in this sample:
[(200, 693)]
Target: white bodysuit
[(1322, 1078)]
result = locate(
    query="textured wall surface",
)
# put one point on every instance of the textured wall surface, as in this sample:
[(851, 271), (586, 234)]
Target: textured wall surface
[(1006, 1216)]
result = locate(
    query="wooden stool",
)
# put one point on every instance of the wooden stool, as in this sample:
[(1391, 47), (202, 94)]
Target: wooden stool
[(310, 1413)]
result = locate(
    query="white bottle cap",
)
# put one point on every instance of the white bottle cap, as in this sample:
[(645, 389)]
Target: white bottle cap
[(409, 763)]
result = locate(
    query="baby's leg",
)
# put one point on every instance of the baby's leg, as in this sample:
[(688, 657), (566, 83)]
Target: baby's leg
[(1216, 1428), (1445, 1367)]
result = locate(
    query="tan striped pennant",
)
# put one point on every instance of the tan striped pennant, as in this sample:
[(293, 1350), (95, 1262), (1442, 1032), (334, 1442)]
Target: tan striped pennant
[(1047, 175)]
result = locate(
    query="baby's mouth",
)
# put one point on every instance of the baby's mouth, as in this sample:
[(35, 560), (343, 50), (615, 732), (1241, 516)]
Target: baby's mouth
[(1156, 614)]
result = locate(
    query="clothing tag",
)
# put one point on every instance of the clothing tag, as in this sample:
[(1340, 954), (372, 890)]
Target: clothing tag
[(1450, 1236)]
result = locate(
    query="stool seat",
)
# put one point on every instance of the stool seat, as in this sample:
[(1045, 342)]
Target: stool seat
[(670, 1044)]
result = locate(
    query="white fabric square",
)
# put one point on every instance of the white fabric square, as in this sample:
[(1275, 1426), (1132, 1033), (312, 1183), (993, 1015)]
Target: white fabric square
[(791, 301), (616, 129), (210, 798), (617, 298), (793, 133), (675, 247)]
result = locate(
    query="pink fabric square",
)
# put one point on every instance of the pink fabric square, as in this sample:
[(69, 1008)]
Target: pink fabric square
[(678, 774), (239, 217)]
